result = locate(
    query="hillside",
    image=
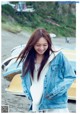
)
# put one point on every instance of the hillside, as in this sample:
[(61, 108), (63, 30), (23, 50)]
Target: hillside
[(56, 17)]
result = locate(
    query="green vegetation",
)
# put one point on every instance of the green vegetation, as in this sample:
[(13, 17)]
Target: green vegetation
[(11, 27), (53, 16)]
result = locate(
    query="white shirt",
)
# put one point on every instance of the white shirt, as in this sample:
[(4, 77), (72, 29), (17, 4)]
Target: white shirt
[(37, 87)]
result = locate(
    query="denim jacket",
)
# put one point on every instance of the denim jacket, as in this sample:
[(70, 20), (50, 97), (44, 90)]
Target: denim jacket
[(57, 81)]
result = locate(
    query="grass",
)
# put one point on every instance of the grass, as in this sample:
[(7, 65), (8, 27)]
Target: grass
[(28, 29), (14, 28), (11, 25)]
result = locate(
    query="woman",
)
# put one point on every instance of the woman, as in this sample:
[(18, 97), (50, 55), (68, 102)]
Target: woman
[(46, 74)]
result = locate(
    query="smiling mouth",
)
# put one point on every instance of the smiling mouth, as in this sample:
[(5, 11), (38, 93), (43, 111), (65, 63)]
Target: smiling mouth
[(40, 51)]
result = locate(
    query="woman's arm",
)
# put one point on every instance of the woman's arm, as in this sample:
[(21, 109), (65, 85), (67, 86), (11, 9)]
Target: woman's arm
[(69, 77)]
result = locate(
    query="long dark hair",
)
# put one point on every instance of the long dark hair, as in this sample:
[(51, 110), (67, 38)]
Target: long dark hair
[(28, 54)]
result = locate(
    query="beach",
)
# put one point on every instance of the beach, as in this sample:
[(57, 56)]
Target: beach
[(17, 103)]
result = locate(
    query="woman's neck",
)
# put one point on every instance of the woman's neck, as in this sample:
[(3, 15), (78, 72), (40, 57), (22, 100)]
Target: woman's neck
[(39, 58)]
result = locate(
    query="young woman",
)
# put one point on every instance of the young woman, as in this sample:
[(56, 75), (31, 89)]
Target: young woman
[(46, 74)]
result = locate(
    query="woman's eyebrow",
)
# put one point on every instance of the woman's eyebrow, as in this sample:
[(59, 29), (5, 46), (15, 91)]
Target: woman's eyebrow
[(40, 43)]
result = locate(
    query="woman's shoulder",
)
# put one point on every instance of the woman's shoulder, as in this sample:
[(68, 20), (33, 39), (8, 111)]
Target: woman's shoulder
[(59, 54), (58, 51), (58, 57)]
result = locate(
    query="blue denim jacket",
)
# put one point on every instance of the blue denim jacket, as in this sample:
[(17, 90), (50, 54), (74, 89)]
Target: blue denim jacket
[(57, 81)]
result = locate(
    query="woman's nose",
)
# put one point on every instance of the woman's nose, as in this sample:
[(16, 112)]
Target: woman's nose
[(41, 48)]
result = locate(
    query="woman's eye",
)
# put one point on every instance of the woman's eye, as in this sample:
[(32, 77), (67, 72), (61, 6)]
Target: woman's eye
[(45, 45), (37, 45), (40, 45)]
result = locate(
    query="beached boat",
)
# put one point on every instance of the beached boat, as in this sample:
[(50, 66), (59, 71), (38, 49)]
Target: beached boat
[(10, 68)]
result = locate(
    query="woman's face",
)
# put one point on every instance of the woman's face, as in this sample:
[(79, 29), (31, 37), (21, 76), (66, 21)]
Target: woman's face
[(41, 46)]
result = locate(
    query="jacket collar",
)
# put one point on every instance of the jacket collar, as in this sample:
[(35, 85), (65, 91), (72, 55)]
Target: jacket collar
[(51, 57)]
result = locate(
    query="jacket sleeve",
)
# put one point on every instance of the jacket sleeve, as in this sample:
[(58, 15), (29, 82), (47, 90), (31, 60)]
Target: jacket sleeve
[(69, 77), (25, 88)]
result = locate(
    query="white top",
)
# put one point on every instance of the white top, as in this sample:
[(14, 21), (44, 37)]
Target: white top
[(37, 87)]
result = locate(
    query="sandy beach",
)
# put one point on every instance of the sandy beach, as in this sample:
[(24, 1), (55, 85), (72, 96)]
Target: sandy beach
[(10, 40)]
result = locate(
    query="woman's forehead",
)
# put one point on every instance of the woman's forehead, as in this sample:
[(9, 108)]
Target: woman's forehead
[(42, 40)]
